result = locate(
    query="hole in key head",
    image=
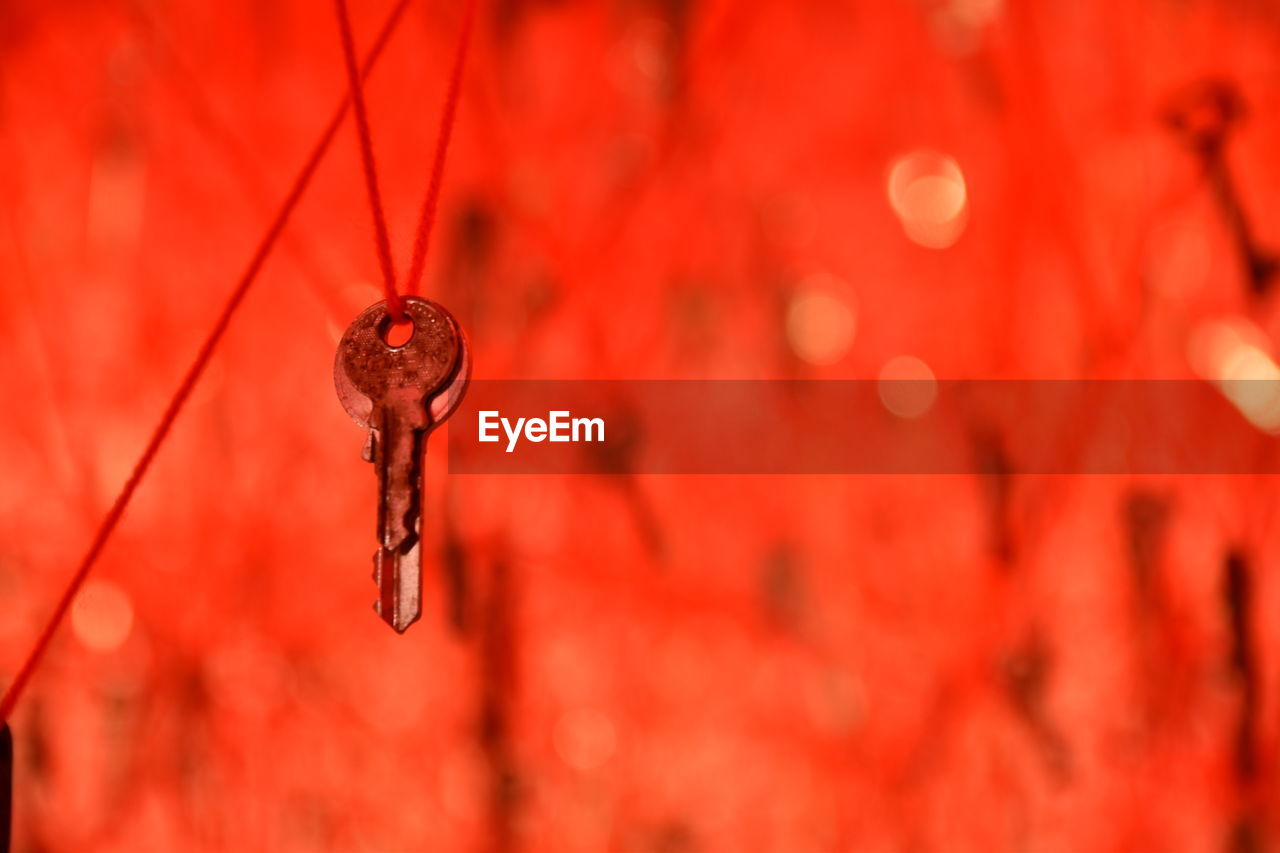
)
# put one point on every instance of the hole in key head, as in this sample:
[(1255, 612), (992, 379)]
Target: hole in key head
[(395, 334)]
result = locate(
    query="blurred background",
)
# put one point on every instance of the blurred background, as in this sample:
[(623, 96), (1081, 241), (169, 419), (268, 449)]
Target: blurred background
[(638, 189)]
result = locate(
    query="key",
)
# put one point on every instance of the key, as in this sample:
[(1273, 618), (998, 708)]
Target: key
[(400, 393)]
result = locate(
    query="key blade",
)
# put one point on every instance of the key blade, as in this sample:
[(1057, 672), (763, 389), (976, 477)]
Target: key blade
[(399, 579), (398, 449), (397, 454)]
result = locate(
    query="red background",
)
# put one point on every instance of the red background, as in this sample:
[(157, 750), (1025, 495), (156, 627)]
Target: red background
[(636, 189)]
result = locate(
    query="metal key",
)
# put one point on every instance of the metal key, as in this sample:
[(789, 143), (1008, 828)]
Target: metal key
[(400, 393)]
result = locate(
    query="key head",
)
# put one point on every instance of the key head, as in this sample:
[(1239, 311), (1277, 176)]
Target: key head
[(430, 368)]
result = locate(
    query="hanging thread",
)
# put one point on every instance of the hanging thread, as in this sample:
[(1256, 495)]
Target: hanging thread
[(369, 165), (427, 217), (192, 376)]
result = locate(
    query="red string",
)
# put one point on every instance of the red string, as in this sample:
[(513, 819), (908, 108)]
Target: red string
[(112, 519), (427, 218), (370, 167)]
